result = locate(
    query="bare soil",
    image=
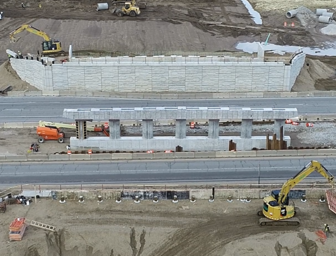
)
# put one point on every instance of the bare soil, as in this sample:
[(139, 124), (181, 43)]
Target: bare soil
[(163, 229)]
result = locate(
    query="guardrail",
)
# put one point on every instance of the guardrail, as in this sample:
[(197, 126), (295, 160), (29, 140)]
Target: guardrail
[(40, 157), (181, 95)]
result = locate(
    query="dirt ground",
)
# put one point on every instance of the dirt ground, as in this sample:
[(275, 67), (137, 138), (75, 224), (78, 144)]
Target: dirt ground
[(18, 141), (164, 229), (194, 27)]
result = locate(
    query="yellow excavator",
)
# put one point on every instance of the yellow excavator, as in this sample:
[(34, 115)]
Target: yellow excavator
[(276, 207), (49, 46)]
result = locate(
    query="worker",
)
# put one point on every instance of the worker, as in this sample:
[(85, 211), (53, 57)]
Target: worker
[(23, 6), (20, 55), (326, 229)]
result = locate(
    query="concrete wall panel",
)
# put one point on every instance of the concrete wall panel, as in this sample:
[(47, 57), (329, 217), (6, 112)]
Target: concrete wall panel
[(162, 74)]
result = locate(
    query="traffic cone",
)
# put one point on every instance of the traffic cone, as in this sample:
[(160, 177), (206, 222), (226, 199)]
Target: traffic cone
[(288, 121), (90, 151), (293, 24), (69, 152), (285, 24), (192, 125)]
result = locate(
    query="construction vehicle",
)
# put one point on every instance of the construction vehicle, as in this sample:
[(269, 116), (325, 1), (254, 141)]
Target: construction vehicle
[(276, 207), (130, 9), (49, 46), (103, 128), (49, 133)]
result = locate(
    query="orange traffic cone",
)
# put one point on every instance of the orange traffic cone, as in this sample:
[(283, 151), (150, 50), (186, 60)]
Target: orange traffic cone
[(293, 24), (69, 152), (192, 125), (90, 151), (150, 151), (285, 24)]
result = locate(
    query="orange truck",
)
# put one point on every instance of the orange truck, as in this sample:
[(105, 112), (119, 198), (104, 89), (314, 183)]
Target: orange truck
[(49, 133)]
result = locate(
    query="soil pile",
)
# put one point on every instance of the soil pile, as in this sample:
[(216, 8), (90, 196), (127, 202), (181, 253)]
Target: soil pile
[(314, 76), (9, 77)]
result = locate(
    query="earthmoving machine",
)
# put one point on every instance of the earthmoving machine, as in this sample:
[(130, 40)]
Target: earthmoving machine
[(276, 207), (130, 8), (49, 46), (49, 133)]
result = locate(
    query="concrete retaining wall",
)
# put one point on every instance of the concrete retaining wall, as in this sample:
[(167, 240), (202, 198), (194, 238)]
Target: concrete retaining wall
[(162, 74), (191, 143), (38, 157)]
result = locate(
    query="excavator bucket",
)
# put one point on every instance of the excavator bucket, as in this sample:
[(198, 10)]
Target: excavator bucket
[(14, 40)]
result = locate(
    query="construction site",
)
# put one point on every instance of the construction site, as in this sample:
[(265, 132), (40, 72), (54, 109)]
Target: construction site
[(70, 45)]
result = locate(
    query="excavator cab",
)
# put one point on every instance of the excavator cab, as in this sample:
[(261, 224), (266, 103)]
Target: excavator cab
[(51, 47)]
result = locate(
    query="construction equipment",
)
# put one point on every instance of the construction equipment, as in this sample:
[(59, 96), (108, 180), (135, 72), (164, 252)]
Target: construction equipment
[(130, 8), (276, 207), (103, 128), (49, 133), (49, 46)]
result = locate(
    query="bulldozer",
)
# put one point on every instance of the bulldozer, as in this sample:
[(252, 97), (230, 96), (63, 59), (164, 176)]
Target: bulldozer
[(129, 8)]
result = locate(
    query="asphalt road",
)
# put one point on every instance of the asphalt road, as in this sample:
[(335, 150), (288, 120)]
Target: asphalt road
[(33, 109), (141, 172)]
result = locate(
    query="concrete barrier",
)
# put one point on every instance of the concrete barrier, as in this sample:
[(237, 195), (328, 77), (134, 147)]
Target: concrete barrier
[(16, 94), (161, 155), (37, 157), (67, 93), (205, 154), (84, 93), (50, 93), (184, 155), (124, 156), (326, 152), (278, 153), (20, 158), (246, 153), (59, 157), (307, 152), (33, 93), (79, 157), (101, 157), (13, 125)]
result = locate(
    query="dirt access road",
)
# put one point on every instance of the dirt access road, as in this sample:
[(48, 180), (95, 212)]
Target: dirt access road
[(164, 229)]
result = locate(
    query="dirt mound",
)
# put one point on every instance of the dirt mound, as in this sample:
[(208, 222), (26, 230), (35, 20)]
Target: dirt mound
[(313, 75), (10, 77)]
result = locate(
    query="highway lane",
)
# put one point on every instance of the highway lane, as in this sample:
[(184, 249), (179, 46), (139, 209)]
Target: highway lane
[(143, 172), (33, 109)]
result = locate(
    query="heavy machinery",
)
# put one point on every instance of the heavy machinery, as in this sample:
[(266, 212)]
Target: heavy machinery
[(49, 46), (103, 128), (49, 133), (276, 207), (130, 8)]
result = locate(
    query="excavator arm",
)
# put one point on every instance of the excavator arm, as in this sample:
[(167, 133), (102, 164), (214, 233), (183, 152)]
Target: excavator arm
[(29, 29), (307, 170)]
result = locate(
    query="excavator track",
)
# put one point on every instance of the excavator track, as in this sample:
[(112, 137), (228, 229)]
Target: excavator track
[(288, 222)]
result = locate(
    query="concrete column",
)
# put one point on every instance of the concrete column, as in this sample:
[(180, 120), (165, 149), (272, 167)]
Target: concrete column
[(147, 128), (180, 128), (114, 129), (213, 132), (246, 128), (80, 130), (277, 125)]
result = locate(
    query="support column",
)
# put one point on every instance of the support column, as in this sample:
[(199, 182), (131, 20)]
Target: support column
[(147, 128), (114, 129), (81, 132), (213, 132), (246, 128), (277, 125), (180, 128)]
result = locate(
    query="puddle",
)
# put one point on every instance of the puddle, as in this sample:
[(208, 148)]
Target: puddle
[(255, 15), (328, 50)]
